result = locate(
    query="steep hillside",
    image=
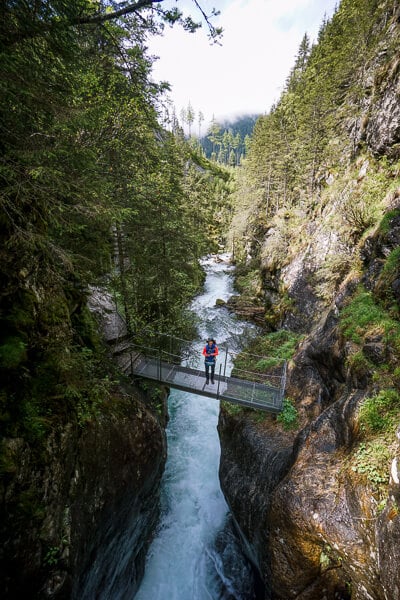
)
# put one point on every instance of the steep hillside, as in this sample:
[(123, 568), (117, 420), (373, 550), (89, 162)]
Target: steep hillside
[(317, 239)]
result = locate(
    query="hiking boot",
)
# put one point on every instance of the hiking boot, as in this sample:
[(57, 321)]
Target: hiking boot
[(212, 381), (207, 381)]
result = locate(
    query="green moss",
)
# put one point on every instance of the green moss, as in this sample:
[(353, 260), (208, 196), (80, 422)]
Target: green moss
[(12, 352), (35, 423), (86, 327), (359, 363), (252, 414), (232, 409), (55, 313), (22, 313)]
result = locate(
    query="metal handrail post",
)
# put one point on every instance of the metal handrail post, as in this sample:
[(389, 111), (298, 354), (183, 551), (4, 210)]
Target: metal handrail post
[(219, 378), (159, 364), (226, 358)]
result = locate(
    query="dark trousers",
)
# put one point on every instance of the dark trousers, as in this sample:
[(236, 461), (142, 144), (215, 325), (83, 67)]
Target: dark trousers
[(210, 367)]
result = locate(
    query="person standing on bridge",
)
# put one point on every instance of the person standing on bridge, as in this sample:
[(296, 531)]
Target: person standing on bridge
[(210, 353)]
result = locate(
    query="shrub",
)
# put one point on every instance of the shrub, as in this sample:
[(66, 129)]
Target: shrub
[(372, 461), (289, 416)]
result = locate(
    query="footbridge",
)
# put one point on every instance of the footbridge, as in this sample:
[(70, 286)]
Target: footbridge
[(185, 371)]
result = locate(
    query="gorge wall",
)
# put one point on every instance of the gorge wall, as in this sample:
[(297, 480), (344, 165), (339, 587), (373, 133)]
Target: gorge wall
[(79, 511), (309, 514), (319, 504)]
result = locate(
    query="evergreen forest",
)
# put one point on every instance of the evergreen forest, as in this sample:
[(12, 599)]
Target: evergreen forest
[(94, 192), (99, 193)]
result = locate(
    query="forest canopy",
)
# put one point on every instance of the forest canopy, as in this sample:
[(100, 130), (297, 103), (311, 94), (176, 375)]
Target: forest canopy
[(93, 190)]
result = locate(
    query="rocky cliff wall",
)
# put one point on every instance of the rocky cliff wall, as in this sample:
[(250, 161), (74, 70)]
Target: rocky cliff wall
[(80, 507), (318, 528), (88, 510)]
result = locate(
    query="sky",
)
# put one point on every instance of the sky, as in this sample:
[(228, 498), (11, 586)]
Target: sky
[(246, 74)]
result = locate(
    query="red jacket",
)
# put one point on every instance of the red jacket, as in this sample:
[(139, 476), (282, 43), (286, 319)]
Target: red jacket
[(210, 352)]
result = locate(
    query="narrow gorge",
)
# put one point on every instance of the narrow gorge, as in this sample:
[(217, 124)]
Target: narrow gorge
[(117, 488)]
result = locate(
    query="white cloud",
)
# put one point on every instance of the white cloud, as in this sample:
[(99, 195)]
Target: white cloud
[(247, 73)]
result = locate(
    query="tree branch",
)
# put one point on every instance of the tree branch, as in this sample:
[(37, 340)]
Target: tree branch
[(102, 17), (42, 27)]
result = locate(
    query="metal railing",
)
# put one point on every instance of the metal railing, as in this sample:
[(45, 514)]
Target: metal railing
[(162, 357)]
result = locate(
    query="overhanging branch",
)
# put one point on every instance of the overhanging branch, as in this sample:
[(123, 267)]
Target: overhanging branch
[(102, 17)]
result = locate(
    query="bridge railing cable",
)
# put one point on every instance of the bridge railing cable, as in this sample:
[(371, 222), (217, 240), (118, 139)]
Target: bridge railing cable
[(164, 348)]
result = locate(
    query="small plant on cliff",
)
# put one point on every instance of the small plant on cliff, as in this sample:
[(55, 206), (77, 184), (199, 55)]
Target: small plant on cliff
[(52, 556), (289, 416), (380, 412), (372, 461), (233, 409), (363, 316), (385, 224)]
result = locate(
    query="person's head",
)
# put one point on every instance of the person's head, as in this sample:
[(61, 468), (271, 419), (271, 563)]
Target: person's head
[(210, 341)]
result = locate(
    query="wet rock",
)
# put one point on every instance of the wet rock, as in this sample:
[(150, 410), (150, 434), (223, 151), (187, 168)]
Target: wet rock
[(220, 302), (92, 498), (375, 350), (247, 308), (102, 305)]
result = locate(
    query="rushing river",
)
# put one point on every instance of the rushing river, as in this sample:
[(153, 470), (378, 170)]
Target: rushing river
[(195, 555)]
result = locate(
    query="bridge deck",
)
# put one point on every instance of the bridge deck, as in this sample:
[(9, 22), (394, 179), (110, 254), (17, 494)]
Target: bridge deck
[(239, 391)]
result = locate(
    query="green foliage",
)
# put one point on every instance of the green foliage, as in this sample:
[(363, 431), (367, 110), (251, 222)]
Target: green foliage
[(93, 191), (289, 415), (385, 223), (232, 409), (52, 556), (268, 351), (329, 558), (380, 412), (332, 272), (359, 363), (53, 553), (35, 422), (155, 394), (372, 461), (363, 316), (298, 150), (227, 142), (12, 352), (248, 282), (236, 410)]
